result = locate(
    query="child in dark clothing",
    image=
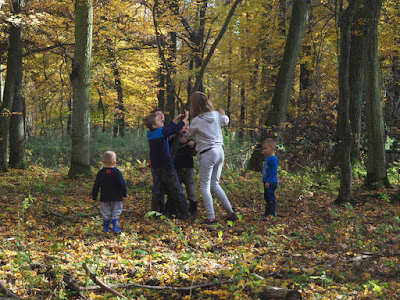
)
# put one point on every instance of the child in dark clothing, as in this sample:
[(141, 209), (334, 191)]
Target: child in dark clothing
[(161, 159), (157, 197), (112, 188), (270, 177), (183, 150)]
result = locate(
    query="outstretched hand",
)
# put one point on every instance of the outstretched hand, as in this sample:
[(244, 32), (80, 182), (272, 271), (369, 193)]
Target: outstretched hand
[(221, 111), (178, 118)]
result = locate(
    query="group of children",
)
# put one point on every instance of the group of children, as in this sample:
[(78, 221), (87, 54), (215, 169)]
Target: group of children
[(172, 148)]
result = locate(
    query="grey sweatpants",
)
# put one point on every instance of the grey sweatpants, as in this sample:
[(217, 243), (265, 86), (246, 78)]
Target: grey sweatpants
[(210, 168), (110, 210)]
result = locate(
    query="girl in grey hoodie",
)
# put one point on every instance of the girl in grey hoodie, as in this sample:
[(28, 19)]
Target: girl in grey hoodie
[(205, 130)]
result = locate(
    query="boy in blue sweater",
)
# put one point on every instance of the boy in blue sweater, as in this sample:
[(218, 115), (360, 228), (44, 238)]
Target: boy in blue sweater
[(112, 188), (270, 177), (161, 159)]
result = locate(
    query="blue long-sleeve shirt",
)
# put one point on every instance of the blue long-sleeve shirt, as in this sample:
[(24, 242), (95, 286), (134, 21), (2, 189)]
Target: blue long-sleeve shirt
[(160, 154), (111, 184), (270, 169)]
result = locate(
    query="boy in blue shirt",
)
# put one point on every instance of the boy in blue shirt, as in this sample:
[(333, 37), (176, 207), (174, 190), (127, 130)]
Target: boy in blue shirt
[(270, 177), (112, 188), (161, 159)]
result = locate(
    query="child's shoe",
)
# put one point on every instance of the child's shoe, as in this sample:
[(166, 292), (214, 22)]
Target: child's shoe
[(274, 211), (268, 209), (232, 217), (106, 225), (209, 222), (115, 225)]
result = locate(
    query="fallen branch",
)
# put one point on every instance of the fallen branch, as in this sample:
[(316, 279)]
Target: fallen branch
[(77, 215), (156, 287), (269, 292), (100, 283), (71, 284), (8, 293)]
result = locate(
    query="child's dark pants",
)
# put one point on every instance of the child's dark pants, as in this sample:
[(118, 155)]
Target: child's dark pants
[(271, 206)]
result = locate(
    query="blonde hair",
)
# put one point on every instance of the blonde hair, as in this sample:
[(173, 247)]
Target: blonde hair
[(109, 157), (270, 142), (199, 104)]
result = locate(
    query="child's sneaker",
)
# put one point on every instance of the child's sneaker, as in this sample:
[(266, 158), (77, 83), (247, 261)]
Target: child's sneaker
[(209, 222), (232, 217)]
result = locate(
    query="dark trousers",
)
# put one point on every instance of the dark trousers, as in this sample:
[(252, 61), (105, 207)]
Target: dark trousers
[(169, 184), (271, 206), (157, 198), (186, 176)]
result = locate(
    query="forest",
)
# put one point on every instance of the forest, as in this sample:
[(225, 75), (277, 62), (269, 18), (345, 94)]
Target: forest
[(320, 77)]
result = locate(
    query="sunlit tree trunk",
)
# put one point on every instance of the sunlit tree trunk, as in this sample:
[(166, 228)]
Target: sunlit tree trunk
[(280, 99), (80, 77), (161, 88), (12, 85), (376, 162), (343, 123)]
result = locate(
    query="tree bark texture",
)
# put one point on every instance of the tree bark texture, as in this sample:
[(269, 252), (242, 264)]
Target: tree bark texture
[(161, 88), (11, 87), (17, 129), (376, 162), (80, 77), (343, 123), (171, 79), (280, 100), (283, 85), (356, 82), (119, 117), (1, 84)]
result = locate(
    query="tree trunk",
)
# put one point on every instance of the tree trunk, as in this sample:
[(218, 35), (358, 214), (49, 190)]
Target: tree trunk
[(14, 66), (17, 125), (356, 82), (69, 119), (199, 75), (242, 120), (161, 88), (280, 99), (1, 84), (343, 123), (171, 79), (17, 129), (229, 96), (80, 77), (119, 116), (376, 162)]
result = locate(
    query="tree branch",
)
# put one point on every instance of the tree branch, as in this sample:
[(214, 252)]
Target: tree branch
[(8, 293), (100, 283), (214, 46)]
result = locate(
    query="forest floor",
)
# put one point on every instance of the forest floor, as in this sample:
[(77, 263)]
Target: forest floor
[(50, 230)]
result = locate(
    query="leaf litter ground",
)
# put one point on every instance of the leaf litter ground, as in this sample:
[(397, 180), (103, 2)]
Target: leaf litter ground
[(50, 227)]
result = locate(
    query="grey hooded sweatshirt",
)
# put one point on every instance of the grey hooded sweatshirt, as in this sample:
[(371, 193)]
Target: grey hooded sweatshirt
[(206, 131)]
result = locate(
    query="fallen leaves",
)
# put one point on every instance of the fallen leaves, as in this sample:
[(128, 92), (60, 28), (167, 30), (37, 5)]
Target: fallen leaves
[(323, 250)]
